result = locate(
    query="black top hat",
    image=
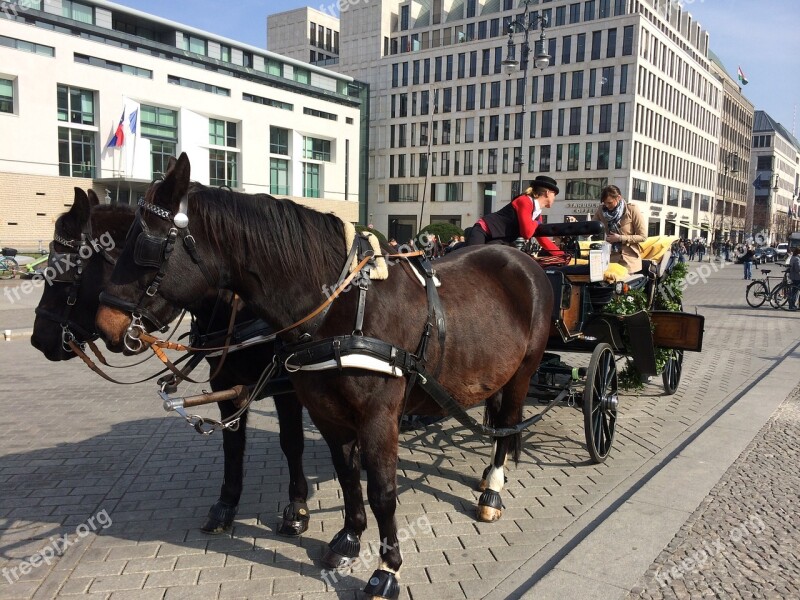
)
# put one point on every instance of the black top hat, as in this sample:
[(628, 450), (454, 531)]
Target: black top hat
[(543, 181)]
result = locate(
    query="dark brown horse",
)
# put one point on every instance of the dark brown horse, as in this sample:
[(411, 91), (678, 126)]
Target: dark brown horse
[(282, 258), (94, 235)]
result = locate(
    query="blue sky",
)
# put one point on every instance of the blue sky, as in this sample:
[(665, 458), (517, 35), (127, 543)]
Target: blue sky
[(762, 37)]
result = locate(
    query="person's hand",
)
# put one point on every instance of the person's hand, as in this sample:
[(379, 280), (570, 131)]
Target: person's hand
[(570, 219), (613, 238)]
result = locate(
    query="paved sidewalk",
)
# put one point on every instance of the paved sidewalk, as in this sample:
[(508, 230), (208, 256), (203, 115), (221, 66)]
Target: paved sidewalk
[(744, 539), (77, 449)]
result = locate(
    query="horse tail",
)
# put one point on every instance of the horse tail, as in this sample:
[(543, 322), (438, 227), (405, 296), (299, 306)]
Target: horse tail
[(493, 404)]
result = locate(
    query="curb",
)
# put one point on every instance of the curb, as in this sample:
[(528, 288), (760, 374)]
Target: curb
[(16, 334), (641, 521)]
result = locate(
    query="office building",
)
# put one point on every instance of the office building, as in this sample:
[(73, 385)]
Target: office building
[(628, 98), (72, 74), (775, 176)]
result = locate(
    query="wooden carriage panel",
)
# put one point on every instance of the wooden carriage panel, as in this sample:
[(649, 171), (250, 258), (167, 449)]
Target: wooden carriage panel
[(677, 330)]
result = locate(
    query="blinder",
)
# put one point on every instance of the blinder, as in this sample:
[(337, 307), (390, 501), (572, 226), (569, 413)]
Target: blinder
[(66, 266), (151, 251)]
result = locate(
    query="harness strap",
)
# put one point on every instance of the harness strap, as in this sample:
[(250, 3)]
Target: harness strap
[(89, 363)]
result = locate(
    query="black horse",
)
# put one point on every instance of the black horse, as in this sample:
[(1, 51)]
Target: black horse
[(282, 258), (87, 240)]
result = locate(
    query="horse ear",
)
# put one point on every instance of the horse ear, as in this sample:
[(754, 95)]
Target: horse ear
[(175, 184), (93, 199), (81, 207)]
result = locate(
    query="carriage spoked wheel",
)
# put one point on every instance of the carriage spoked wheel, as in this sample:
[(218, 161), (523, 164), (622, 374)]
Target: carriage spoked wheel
[(671, 375), (8, 267), (600, 402)]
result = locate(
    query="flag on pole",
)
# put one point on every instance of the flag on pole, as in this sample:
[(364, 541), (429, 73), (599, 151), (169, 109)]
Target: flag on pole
[(118, 138), (133, 120), (742, 77), (757, 183)]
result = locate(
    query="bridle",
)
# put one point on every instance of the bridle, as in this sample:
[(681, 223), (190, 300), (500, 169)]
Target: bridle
[(68, 268), (153, 252)]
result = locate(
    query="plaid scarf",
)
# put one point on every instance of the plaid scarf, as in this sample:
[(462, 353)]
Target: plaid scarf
[(613, 218)]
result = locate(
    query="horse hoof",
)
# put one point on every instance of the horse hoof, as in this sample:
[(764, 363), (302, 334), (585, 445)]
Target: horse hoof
[(295, 520), (220, 518), (490, 507), (343, 548), (382, 586)]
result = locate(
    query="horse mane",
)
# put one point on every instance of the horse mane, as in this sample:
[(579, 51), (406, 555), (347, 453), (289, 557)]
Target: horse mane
[(114, 219), (291, 238)]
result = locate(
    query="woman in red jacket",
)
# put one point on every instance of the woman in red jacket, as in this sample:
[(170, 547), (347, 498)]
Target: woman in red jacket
[(520, 218)]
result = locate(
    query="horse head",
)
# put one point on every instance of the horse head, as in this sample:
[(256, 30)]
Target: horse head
[(160, 269), (69, 299)]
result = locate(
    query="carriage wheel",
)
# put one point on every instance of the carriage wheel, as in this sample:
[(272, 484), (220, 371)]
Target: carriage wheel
[(671, 375), (756, 294), (8, 267), (600, 402)]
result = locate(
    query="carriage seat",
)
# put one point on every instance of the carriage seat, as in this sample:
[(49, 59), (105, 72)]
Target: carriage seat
[(636, 281)]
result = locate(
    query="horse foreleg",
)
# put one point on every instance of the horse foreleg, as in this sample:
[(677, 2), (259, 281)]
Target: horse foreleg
[(220, 516), (290, 418), (379, 450), (490, 505), (346, 544)]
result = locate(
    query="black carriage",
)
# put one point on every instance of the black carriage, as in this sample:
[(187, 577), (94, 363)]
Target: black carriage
[(581, 323)]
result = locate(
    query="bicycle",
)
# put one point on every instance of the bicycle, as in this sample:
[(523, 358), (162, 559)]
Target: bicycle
[(783, 291), (8, 264), (759, 291)]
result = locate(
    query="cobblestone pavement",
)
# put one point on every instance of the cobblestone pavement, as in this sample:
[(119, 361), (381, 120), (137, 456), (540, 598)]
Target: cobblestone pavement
[(743, 541), (76, 448)]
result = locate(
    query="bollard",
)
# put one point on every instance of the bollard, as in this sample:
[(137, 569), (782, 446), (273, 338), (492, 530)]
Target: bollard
[(7, 334)]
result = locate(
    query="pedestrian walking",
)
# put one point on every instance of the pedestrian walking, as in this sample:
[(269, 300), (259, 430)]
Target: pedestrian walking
[(747, 261)]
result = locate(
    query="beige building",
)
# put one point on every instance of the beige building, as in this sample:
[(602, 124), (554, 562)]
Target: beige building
[(775, 176), (628, 98), (728, 214), (73, 73), (305, 34)]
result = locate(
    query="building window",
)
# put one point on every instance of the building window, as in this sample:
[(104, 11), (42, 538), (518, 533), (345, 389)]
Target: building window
[(279, 176), (492, 164), (639, 191), (195, 45), (279, 140), (76, 152), (627, 40), (311, 183), (575, 120), (573, 155), (611, 43), (620, 152), (580, 48), (316, 149), (198, 85), (6, 96), (302, 75), (312, 33), (605, 118), (544, 159), (603, 148), (77, 11), (222, 133), (657, 194), (159, 123), (75, 105), (587, 157), (607, 81), (222, 168), (160, 153)]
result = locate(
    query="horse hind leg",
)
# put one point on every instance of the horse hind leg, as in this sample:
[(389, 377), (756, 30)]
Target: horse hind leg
[(504, 411)]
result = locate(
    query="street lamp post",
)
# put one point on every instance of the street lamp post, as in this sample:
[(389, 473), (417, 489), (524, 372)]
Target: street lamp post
[(732, 169), (525, 23), (773, 192)]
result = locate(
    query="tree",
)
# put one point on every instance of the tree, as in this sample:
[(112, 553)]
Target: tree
[(443, 231)]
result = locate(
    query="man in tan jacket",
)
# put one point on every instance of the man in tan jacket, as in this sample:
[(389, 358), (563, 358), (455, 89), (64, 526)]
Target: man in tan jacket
[(625, 228)]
